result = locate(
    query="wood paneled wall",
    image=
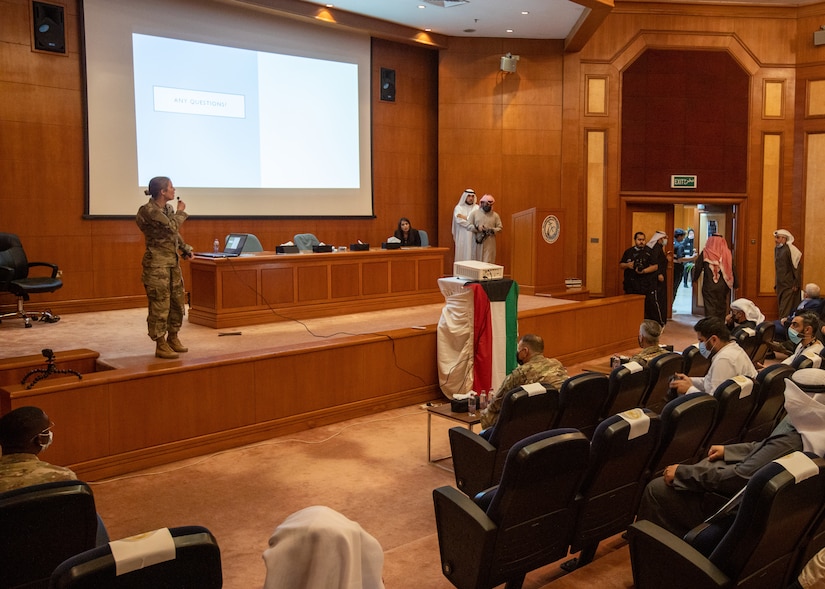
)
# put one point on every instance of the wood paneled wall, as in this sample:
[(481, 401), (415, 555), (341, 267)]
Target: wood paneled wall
[(458, 121), (42, 166)]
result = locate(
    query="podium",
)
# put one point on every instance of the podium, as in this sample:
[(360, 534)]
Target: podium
[(477, 334), (538, 251)]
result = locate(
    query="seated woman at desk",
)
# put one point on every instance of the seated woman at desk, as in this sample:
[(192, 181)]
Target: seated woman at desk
[(407, 234)]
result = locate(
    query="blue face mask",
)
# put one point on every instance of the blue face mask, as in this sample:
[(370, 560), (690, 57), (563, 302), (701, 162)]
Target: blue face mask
[(703, 349), (794, 336)]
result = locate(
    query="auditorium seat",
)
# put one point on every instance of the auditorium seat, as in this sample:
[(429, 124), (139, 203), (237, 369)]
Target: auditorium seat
[(770, 402), (807, 360), (736, 404), (626, 388), (758, 549), (425, 239), (40, 527), (529, 518), (661, 369), (764, 332), (620, 455), (686, 423), (693, 363), (181, 558), (15, 279), (478, 461), (581, 399)]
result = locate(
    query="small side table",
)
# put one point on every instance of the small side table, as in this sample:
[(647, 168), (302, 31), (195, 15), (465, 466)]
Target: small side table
[(445, 411)]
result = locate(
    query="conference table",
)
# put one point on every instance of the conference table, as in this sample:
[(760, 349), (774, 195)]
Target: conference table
[(265, 287)]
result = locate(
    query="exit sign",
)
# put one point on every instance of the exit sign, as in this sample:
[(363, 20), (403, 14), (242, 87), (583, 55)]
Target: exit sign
[(683, 181)]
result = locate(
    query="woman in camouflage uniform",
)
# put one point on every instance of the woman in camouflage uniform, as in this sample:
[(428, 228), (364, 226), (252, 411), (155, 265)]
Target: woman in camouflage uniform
[(162, 277)]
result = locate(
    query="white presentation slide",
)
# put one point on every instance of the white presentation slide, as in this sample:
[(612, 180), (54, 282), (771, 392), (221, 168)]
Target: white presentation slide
[(250, 114), (244, 119)]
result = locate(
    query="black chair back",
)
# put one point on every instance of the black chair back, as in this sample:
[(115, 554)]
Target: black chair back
[(522, 414), (626, 388), (13, 256), (748, 339), (736, 406), (196, 565), (661, 368), (581, 400), (807, 360), (771, 524), (770, 402), (616, 473), (693, 363), (764, 332), (40, 527), (529, 519), (686, 424)]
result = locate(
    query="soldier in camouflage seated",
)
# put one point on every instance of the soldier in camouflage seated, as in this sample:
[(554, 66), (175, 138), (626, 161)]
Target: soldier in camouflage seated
[(649, 332)]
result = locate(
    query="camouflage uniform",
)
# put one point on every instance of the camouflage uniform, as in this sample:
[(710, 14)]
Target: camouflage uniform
[(23, 470), (536, 369), (647, 355), (162, 277)]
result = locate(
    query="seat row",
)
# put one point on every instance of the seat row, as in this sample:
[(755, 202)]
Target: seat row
[(47, 540)]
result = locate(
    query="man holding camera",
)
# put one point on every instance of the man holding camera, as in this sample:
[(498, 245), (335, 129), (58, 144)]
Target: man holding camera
[(640, 274)]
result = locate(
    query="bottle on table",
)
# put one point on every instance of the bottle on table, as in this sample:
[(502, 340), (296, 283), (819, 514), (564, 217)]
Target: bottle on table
[(471, 404), (216, 246)]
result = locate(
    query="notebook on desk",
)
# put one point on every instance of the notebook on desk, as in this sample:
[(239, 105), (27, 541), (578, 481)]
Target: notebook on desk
[(232, 248)]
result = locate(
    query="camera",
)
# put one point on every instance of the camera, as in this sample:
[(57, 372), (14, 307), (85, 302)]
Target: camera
[(639, 265)]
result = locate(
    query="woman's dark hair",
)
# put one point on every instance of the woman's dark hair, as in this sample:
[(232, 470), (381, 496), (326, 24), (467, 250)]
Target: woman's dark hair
[(156, 185), (401, 220)]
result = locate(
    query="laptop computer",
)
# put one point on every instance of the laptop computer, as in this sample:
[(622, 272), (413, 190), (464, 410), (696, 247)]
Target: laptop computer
[(232, 248)]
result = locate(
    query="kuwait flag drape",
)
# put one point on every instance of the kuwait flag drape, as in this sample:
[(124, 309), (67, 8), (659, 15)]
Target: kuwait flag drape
[(495, 331)]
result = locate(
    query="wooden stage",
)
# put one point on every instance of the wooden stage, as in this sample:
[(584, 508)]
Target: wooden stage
[(134, 411)]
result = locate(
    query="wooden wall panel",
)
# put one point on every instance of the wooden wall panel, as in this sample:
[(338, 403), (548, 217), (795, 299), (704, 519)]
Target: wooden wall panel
[(42, 157)]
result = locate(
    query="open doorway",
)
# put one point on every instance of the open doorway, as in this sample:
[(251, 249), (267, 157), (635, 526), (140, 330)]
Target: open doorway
[(699, 221), (704, 221)]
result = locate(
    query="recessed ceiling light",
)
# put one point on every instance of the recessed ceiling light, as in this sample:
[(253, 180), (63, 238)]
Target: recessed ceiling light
[(421, 6), (525, 12), (428, 30), (330, 5), (509, 31)]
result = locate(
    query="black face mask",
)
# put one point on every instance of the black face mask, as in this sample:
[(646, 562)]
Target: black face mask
[(519, 361), (486, 208)]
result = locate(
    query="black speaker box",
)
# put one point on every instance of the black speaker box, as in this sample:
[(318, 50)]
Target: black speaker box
[(387, 84), (48, 27)]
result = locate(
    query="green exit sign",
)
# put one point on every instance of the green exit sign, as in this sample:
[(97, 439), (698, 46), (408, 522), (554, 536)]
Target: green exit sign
[(683, 181)]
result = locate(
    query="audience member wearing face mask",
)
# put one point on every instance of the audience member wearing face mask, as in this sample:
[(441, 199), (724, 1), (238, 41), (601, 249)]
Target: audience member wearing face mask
[(727, 359)]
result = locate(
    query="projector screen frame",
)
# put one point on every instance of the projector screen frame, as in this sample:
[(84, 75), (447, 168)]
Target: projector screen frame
[(365, 75)]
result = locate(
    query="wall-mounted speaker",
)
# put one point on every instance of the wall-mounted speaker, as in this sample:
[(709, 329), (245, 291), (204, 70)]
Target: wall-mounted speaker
[(48, 27), (387, 84)]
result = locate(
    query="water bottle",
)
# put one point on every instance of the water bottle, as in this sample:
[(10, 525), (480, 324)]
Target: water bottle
[(471, 404), (216, 246), (483, 399)]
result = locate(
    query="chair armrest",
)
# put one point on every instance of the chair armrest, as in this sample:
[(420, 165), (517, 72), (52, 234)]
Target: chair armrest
[(46, 265), (466, 537), (473, 460), (660, 559)]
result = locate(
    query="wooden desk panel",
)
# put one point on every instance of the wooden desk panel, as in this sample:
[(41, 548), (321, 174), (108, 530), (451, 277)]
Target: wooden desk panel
[(228, 292)]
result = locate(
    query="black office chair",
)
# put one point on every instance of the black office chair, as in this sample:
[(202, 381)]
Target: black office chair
[(477, 461), (529, 519), (756, 551), (15, 279), (694, 363), (195, 564), (661, 368), (770, 402), (40, 527), (581, 400), (616, 474), (735, 409), (626, 388)]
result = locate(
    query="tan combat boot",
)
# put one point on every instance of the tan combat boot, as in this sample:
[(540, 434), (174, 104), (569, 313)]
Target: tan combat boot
[(163, 350), (174, 342)]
